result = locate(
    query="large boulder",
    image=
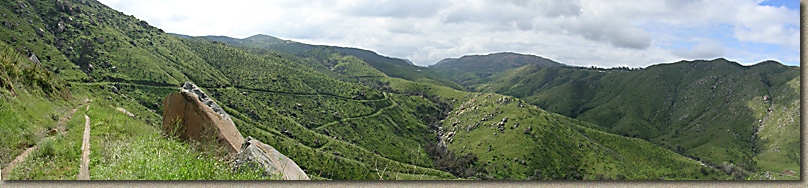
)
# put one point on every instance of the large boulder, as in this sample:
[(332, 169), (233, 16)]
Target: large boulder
[(257, 155), (191, 114)]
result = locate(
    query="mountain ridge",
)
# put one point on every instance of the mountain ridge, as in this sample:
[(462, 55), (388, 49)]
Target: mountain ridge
[(497, 62)]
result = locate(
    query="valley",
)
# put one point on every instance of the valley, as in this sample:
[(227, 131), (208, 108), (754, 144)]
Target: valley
[(351, 114)]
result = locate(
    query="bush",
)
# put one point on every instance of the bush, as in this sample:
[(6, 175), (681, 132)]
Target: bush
[(47, 148), (460, 166)]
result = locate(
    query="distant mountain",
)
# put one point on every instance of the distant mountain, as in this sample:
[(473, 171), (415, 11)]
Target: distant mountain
[(493, 63), (392, 67), (180, 35), (470, 69)]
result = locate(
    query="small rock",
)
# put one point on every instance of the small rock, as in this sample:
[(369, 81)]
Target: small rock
[(60, 27), (257, 155), (52, 132)]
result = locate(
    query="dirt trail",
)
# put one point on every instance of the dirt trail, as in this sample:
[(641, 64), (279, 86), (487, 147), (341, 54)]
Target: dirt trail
[(60, 128), (19, 159), (84, 170), (394, 104), (122, 110)]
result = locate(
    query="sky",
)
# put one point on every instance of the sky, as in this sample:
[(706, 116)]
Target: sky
[(633, 33)]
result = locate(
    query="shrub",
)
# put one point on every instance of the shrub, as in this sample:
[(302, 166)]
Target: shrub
[(47, 148)]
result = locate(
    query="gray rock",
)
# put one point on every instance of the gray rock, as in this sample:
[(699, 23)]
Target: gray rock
[(61, 5), (191, 88), (60, 27), (256, 155), (35, 59), (114, 89)]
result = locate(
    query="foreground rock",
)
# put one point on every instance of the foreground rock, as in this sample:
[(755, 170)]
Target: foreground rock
[(191, 114), (254, 154)]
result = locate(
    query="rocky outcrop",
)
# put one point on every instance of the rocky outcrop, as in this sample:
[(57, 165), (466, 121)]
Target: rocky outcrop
[(257, 155), (191, 114)]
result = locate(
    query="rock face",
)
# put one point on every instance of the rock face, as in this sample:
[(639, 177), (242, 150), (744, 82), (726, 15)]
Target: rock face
[(254, 154), (191, 114)]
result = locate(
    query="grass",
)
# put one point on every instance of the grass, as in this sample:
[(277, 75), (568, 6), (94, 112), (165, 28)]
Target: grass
[(29, 103), (57, 158), (124, 148)]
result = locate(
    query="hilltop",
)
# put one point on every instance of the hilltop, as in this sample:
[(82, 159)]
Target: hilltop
[(470, 68), (493, 63)]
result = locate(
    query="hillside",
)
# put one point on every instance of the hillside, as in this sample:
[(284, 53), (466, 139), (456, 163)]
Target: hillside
[(717, 111), (105, 54), (82, 84), (493, 136)]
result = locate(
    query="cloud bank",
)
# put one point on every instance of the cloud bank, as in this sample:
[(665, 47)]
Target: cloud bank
[(633, 33)]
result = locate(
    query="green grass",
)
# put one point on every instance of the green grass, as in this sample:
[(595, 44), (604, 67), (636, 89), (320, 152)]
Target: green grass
[(57, 158), (31, 102)]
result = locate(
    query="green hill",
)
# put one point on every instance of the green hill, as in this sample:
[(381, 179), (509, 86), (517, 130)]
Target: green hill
[(492, 136), (470, 68), (493, 63), (717, 111)]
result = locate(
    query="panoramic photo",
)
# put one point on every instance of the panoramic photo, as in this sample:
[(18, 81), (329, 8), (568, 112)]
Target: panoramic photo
[(400, 90)]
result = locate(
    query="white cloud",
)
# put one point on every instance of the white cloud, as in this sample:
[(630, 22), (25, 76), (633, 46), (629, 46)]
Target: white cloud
[(701, 51), (584, 32)]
